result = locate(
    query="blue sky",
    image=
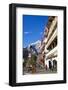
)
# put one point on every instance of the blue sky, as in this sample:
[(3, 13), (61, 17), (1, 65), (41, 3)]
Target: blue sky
[(33, 27)]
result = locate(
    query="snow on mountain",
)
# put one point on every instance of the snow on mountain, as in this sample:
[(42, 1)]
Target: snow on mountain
[(36, 45)]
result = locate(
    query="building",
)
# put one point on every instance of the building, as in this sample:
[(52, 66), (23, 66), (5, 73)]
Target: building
[(49, 43)]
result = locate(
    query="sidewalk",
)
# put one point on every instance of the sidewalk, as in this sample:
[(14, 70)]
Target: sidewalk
[(41, 71)]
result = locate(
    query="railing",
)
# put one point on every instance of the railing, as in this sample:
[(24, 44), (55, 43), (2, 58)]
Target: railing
[(52, 52), (52, 38), (52, 27)]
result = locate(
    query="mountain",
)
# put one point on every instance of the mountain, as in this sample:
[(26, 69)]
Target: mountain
[(36, 46)]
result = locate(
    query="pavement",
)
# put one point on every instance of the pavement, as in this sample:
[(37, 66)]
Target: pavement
[(40, 71)]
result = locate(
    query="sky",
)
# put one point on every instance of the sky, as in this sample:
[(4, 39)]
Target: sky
[(33, 28)]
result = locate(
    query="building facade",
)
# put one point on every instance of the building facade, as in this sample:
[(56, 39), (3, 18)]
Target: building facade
[(49, 43)]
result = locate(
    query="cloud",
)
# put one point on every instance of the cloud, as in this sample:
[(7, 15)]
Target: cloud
[(27, 32)]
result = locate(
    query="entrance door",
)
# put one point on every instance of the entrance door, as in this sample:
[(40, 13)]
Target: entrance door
[(50, 65)]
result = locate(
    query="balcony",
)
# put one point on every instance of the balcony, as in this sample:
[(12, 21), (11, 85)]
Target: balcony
[(45, 40), (42, 47), (52, 27), (52, 53), (52, 38)]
